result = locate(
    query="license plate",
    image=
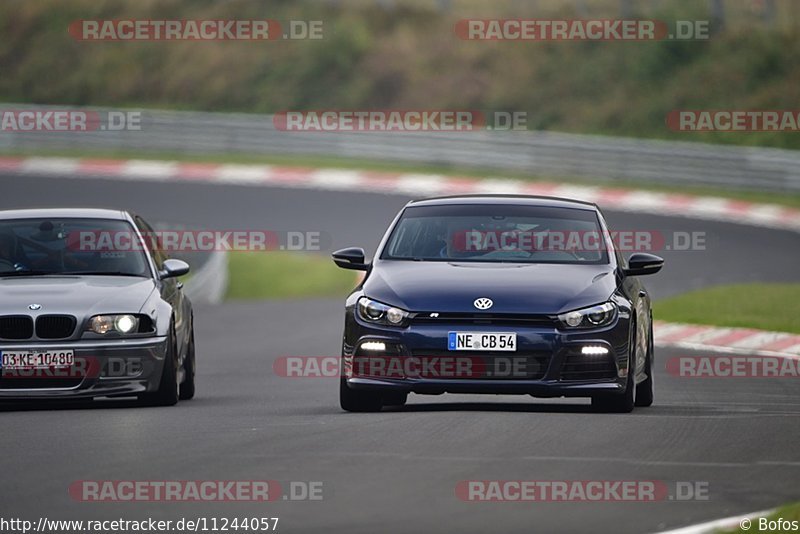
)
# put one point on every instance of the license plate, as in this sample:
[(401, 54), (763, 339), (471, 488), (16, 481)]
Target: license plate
[(36, 359), (494, 341)]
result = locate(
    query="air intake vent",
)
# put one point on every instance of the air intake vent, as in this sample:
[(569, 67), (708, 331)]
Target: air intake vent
[(580, 367)]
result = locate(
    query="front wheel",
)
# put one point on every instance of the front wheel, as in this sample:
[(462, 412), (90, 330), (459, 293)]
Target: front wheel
[(189, 368), (623, 403), (644, 391), (616, 403), (353, 400), (168, 387)]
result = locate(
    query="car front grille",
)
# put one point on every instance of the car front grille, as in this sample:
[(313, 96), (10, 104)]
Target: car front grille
[(15, 327), (582, 367), (21, 327), (55, 326), (492, 365), (501, 319)]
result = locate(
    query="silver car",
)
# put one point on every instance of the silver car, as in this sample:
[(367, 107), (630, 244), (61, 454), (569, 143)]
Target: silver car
[(89, 307)]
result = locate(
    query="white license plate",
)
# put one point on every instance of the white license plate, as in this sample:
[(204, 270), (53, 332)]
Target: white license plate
[(493, 341), (36, 359)]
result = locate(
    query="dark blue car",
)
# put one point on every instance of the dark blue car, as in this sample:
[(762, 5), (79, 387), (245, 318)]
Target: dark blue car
[(498, 295)]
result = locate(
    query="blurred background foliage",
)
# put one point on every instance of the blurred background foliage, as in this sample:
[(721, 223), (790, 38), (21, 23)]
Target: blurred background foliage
[(404, 54)]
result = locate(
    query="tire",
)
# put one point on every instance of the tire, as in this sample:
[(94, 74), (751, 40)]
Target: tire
[(167, 394), (189, 367), (352, 400), (644, 390), (621, 403), (616, 403), (395, 399)]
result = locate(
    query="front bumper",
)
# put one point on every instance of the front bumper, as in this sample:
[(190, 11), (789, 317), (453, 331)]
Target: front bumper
[(550, 360), (118, 368)]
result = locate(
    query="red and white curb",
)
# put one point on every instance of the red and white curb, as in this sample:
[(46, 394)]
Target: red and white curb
[(420, 185), (726, 340)]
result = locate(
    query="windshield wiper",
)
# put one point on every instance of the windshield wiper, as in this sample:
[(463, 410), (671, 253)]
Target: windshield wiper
[(27, 273), (102, 273)]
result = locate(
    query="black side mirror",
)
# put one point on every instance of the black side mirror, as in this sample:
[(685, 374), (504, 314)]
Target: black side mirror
[(641, 264), (173, 269), (350, 258)]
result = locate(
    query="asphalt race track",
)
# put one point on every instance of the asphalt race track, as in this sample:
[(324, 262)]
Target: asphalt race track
[(397, 471)]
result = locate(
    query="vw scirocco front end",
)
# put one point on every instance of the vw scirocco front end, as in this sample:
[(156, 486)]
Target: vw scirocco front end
[(498, 295)]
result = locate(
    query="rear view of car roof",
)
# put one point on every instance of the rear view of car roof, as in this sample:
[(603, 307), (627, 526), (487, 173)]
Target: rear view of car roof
[(525, 200), (63, 213)]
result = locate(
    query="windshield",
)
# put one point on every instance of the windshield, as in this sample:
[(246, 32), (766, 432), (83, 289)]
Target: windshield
[(497, 233), (30, 247)]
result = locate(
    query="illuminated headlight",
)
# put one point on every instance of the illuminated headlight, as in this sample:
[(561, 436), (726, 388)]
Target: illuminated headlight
[(122, 324), (374, 345), (601, 315), (376, 312)]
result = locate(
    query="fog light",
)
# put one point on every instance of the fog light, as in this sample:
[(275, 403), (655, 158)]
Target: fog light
[(374, 345), (594, 351)]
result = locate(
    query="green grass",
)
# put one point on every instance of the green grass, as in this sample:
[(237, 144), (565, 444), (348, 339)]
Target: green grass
[(763, 306), (273, 275), (784, 199), (790, 512)]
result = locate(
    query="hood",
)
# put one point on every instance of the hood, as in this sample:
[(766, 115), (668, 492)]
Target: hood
[(514, 288), (74, 295)]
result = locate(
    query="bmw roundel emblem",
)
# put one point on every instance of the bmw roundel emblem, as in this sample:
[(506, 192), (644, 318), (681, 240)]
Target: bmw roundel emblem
[(35, 307), (483, 303)]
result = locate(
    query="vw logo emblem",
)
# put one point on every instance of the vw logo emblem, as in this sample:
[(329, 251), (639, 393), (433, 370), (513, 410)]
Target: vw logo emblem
[(483, 303), (35, 307)]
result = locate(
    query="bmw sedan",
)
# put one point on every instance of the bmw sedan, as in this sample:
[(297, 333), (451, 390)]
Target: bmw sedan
[(498, 295), (91, 308)]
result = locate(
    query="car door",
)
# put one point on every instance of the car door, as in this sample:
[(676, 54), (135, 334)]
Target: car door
[(171, 289), (633, 289)]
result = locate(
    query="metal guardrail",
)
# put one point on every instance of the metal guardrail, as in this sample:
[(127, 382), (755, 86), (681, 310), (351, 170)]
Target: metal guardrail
[(537, 153), (209, 280)]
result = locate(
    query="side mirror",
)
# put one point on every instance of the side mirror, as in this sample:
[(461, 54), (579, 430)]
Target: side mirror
[(641, 263), (173, 269), (350, 258)]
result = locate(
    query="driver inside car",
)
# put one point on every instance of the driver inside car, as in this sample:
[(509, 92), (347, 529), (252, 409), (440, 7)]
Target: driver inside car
[(9, 259), (13, 257)]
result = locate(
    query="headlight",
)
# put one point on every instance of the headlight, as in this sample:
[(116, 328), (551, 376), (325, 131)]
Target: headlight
[(601, 315), (122, 324), (376, 312)]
